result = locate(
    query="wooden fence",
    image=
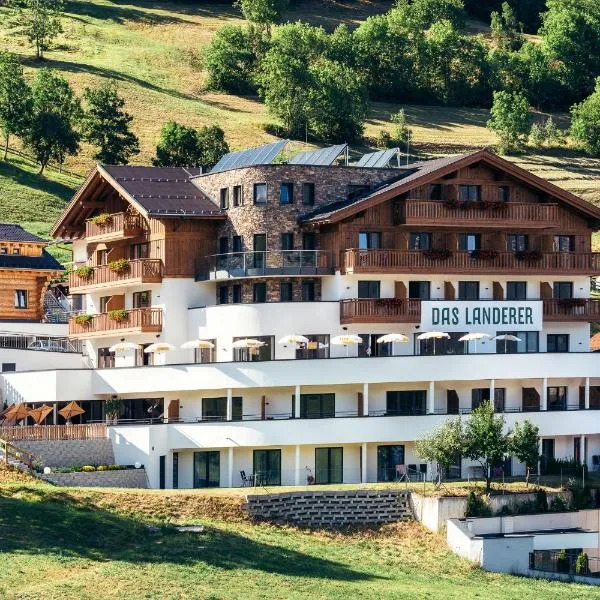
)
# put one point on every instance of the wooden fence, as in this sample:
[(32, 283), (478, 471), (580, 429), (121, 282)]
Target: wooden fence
[(91, 431)]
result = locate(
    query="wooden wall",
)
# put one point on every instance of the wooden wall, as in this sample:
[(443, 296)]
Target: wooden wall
[(25, 249), (32, 281)]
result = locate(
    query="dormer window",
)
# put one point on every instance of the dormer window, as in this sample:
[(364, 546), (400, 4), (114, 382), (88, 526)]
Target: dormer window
[(469, 193)]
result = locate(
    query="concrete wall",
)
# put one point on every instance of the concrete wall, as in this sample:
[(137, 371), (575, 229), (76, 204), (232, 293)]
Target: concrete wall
[(129, 478), (66, 453)]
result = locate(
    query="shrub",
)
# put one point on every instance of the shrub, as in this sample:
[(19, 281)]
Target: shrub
[(582, 566), (581, 498), (112, 408), (83, 319), (101, 468), (564, 466), (120, 265), (102, 219), (562, 562), (477, 506), (541, 500), (558, 504), (88, 468), (84, 272), (118, 315)]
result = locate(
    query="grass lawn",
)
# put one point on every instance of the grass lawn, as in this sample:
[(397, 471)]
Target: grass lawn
[(59, 543)]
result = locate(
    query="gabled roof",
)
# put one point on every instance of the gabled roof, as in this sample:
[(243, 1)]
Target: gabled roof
[(45, 262), (423, 172), (11, 232)]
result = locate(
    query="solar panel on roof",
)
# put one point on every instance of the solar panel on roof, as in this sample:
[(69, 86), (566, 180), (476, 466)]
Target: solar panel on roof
[(320, 157), (381, 158), (261, 155)]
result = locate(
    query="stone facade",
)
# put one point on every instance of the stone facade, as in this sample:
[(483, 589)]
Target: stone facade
[(273, 288), (66, 453), (331, 184), (332, 509), (127, 478)]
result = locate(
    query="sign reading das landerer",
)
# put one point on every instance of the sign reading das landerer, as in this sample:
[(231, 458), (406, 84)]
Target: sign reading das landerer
[(484, 316)]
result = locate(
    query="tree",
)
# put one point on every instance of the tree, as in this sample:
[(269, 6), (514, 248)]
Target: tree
[(507, 32), (263, 12), (182, 146), (424, 13), (442, 446), (485, 441), (106, 125), (585, 122), (524, 443), (39, 20), (51, 134), (510, 119), (231, 61), (15, 98)]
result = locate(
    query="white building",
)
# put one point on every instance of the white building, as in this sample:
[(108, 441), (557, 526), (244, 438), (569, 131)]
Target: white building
[(467, 244)]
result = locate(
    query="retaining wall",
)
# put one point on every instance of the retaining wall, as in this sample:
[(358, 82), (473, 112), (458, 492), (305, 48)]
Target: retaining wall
[(128, 478), (331, 509), (66, 453)]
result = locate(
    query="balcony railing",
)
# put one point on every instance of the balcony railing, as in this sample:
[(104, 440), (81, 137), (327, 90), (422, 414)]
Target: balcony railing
[(432, 212), (40, 343), (418, 261), (384, 310), (143, 270), (117, 226), (138, 320), (260, 264), (576, 309)]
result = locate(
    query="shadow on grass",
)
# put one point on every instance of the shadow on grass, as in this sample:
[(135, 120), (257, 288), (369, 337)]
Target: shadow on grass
[(42, 522), (117, 14), (26, 178)]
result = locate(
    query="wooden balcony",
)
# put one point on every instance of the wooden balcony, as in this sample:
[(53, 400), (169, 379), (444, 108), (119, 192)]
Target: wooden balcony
[(144, 270), (118, 226), (498, 214), (587, 310), (138, 320), (417, 261), (380, 310)]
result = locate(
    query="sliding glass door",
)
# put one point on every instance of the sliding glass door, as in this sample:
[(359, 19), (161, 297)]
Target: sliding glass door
[(207, 469), (267, 467), (389, 458), (328, 465)]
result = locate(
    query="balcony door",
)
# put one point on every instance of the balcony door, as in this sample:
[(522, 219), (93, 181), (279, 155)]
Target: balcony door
[(207, 469), (260, 248), (389, 458), (328, 465), (317, 406), (267, 467)]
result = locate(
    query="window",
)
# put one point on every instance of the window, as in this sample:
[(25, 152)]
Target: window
[(260, 248), (264, 352), (468, 290), (369, 240), (329, 465), (309, 241), (286, 193), (308, 194), (78, 302), (481, 395), (21, 299), (237, 195), (287, 241), (564, 243), (516, 290), (267, 467), (419, 290), (16, 251), (104, 300), (317, 406), (106, 358), (563, 290), (557, 342), (369, 289), (317, 347), (517, 242), (175, 470), (467, 242), (9, 367), (237, 244), (389, 458), (207, 469), (223, 294), (215, 409), (370, 348), (442, 346), (4, 250), (308, 291), (142, 299), (260, 193), (138, 251), (285, 291), (528, 342), (419, 241), (101, 257), (237, 293), (503, 193), (224, 198), (557, 397), (223, 245), (435, 191), (411, 402), (547, 454), (469, 193), (205, 355), (259, 292)]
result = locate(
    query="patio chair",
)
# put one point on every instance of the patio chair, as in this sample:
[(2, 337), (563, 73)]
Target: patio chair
[(247, 480), (402, 473)]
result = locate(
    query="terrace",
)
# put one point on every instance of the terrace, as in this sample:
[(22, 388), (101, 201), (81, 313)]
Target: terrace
[(144, 270), (116, 226), (138, 320)]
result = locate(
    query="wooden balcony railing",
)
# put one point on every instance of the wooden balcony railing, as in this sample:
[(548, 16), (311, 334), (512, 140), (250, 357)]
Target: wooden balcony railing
[(143, 270), (118, 226), (417, 261), (380, 310), (432, 212), (138, 320), (572, 310), (89, 431)]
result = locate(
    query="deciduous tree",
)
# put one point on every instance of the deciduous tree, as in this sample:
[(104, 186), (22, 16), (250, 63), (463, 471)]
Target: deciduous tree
[(442, 446), (510, 119), (40, 21), (585, 122), (524, 444)]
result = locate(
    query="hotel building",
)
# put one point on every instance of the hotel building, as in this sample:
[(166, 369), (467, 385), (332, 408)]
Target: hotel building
[(258, 250)]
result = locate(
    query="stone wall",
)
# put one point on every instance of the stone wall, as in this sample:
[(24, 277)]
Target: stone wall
[(127, 478), (331, 508), (66, 453)]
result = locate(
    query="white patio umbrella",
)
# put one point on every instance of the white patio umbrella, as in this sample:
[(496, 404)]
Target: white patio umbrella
[(393, 338), (248, 343), (473, 337), (159, 348), (507, 337), (347, 339), (433, 335), (198, 345), (293, 339), (123, 347)]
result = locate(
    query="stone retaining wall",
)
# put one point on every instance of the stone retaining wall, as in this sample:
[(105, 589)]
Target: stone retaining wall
[(128, 478), (331, 509), (66, 453)]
